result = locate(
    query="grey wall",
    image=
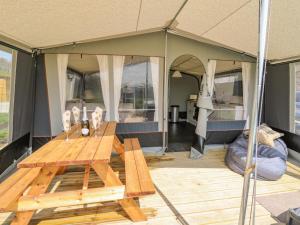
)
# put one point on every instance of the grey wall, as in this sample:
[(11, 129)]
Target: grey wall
[(23, 97), (180, 90), (277, 97), (42, 127)]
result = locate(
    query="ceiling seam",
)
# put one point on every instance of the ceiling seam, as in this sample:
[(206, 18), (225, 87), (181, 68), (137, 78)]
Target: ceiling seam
[(25, 43), (138, 19), (176, 15), (226, 17)]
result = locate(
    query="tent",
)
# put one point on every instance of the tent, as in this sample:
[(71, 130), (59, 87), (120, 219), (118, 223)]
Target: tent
[(40, 32)]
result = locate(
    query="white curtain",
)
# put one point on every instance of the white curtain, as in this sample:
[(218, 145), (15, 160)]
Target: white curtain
[(118, 62), (62, 64), (154, 61), (211, 70), (104, 79), (205, 98), (246, 70)]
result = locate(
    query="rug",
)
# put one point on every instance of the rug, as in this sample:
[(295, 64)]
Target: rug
[(279, 204)]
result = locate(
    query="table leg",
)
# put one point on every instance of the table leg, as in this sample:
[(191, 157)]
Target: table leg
[(39, 186), (119, 147), (61, 170), (109, 178)]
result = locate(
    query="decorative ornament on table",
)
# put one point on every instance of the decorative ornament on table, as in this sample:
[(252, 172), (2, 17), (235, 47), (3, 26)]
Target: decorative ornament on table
[(67, 122), (76, 114), (100, 113), (95, 121)]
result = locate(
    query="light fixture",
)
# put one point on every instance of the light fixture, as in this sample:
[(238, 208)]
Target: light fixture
[(177, 74)]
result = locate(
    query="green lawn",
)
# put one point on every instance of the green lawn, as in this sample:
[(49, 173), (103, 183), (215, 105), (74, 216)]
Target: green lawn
[(3, 118), (3, 135)]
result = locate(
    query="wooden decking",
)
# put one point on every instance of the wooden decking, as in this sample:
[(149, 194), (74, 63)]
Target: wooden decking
[(202, 191)]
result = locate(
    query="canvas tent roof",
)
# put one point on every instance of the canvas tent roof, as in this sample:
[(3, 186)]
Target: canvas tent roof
[(233, 24)]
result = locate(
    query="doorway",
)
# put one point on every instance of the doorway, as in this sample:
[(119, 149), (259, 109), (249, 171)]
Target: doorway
[(184, 84)]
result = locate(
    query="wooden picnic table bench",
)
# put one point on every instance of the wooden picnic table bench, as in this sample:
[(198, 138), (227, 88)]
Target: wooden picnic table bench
[(24, 192)]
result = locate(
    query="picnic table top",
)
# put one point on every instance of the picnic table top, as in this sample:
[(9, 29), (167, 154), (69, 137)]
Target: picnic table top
[(78, 150)]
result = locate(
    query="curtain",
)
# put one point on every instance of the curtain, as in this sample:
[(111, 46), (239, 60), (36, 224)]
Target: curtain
[(246, 70), (62, 63), (118, 62), (211, 70), (154, 61), (205, 98), (104, 80)]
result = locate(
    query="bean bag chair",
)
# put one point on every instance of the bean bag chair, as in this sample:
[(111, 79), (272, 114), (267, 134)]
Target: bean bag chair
[(271, 161)]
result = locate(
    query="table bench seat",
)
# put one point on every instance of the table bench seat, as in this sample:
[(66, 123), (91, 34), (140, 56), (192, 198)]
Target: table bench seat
[(14, 186), (138, 179)]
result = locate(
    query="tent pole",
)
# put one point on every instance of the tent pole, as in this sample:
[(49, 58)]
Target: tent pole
[(264, 7)]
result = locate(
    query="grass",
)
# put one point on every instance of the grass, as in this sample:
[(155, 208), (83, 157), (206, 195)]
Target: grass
[(3, 118), (4, 73), (3, 135)]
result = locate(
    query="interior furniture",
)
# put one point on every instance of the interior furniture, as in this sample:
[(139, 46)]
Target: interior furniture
[(24, 192)]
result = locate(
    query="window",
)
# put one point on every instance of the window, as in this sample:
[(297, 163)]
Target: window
[(73, 85), (295, 98), (137, 97), (7, 60), (83, 82), (228, 97)]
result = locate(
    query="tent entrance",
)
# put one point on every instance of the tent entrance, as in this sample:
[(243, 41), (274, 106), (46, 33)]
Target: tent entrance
[(184, 85)]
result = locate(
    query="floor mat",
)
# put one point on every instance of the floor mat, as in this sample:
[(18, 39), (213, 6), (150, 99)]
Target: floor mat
[(278, 205)]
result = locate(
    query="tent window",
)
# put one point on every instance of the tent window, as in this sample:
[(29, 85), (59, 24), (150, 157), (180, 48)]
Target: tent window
[(83, 82), (228, 97), (74, 85), (295, 98), (92, 89), (7, 62), (137, 96)]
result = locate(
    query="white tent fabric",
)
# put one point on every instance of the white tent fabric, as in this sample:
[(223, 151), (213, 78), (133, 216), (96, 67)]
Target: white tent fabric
[(104, 79), (155, 83), (118, 62), (205, 98), (246, 73), (62, 64), (232, 24)]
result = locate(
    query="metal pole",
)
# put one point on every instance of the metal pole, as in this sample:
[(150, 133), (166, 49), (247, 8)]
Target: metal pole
[(264, 7)]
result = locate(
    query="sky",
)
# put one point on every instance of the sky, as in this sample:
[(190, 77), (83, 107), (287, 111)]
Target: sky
[(5, 55)]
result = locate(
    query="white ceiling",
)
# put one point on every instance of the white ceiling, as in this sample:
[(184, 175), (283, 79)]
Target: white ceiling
[(44, 23)]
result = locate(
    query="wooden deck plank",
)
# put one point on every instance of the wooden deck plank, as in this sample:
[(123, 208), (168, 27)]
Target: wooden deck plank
[(198, 189)]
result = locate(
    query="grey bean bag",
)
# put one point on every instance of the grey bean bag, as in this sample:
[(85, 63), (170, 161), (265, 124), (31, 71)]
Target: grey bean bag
[(271, 162)]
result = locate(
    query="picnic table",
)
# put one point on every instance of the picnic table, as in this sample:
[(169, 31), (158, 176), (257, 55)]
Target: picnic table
[(24, 192)]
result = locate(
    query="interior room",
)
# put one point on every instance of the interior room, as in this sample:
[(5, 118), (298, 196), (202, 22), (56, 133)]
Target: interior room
[(185, 82)]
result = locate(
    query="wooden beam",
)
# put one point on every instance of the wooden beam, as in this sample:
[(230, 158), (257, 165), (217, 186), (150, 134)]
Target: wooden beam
[(39, 186), (119, 147), (109, 178), (86, 177), (69, 198)]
